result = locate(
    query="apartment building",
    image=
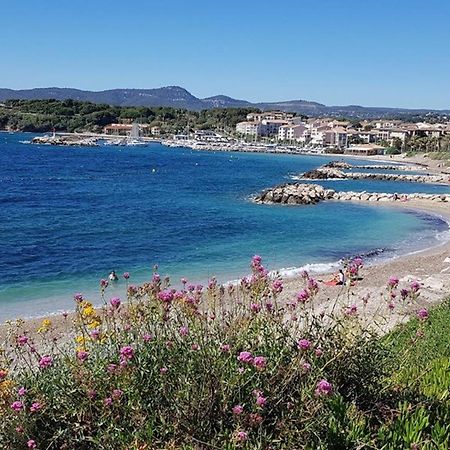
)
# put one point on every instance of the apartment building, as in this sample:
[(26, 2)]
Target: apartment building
[(298, 133)]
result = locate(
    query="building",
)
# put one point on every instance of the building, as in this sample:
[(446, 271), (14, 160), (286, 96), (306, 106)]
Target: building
[(124, 129), (270, 115), (364, 150), (248, 128), (270, 127), (155, 131), (297, 133)]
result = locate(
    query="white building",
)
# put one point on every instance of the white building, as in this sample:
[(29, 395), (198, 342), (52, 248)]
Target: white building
[(271, 127), (297, 133), (249, 128)]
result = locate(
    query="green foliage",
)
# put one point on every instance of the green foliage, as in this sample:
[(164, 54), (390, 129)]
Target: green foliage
[(77, 116), (184, 371), (392, 151)]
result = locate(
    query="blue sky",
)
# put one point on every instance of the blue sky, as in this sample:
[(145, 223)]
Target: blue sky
[(369, 52)]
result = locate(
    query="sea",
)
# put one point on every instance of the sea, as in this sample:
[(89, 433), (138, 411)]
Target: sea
[(71, 215)]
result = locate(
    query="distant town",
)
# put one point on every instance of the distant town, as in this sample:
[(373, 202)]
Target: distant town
[(287, 131), (72, 122)]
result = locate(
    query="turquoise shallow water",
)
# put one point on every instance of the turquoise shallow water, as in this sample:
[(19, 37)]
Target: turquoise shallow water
[(70, 215)]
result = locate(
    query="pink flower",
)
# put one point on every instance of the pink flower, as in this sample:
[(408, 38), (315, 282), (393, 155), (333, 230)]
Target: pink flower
[(319, 352), (166, 296), (241, 436), (245, 357), (212, 283), (404, 293), (415, 286), (95, 335), (31, 444), (3, 374), (254, 419), (238, 409), (303, 296), (306, 367), (147, 337), (108, 401), (156, 278), (184, 331), (391, 305), (22, 340), (78, 297), (45, 362), (17, 405), (225, 348), (423, 314), (259, 362), (82, 355), (111, 368), (393, 281), (351, 310), (323, 388), (312, 285), (261, 401), (117, 394), (304, 344), (21, 392), (277, 286), (163, 370), (256, 260), (91, 394), (103, 283), (126, 275), (127, 352), (115, 302), (255, 308), (36, 406)]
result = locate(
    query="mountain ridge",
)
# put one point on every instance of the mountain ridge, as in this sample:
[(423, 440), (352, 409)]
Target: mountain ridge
[(179, 97)]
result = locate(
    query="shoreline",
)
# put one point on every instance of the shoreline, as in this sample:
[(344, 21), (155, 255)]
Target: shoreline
[(427, 266), (427, 263)]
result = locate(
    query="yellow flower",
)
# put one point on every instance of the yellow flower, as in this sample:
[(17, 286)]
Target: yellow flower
[(94, 324), (80, 339), (89, 311), (45, 326)]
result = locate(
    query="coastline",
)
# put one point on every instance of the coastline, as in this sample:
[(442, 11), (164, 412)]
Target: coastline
[(427, 266)]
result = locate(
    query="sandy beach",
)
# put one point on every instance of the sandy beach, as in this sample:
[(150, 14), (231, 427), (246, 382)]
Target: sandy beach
[(429, 267)]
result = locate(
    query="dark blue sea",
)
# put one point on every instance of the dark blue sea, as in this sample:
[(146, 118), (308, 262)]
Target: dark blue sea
[(69, 215)]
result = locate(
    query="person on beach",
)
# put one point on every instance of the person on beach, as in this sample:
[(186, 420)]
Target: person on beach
[(113, 276), (341, 277)]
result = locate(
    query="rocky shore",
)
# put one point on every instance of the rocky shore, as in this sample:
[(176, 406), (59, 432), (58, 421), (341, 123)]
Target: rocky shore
[(333, 171), (310, 194), (295, 194), (65, 140)]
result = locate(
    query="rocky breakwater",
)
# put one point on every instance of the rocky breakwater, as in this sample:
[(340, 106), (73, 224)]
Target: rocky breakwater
[(435, 179), (65, 140), (324, 173), (385, 197), (295, 194), (332, 173)]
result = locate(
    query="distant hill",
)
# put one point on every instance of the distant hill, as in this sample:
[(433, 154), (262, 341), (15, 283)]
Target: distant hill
[(178, 97)]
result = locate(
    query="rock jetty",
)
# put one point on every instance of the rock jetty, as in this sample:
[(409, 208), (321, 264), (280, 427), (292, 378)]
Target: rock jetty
[(295, 194), (310, 194), (65, 140), (329, 173)]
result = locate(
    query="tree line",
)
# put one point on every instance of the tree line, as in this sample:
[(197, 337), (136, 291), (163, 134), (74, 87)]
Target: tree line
[(78, 116)]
